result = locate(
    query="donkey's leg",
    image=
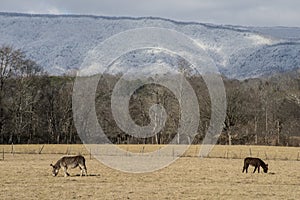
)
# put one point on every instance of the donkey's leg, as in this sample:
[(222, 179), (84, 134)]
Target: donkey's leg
[(246, 168), (258, 168), (255, 169), (80, 170), (83, 170), (65, 171)]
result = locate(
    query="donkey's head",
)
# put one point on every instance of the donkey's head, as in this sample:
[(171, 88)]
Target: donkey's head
[(55, 170), (265, 168)]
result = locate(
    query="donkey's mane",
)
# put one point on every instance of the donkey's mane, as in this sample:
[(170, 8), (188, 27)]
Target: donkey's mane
[(57, 164), (263, 164)]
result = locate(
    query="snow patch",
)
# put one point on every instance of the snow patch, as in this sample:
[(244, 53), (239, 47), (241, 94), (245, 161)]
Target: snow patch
[(260, 40)]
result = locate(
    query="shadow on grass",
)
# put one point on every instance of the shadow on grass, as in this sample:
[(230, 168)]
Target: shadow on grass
[(88, 175)]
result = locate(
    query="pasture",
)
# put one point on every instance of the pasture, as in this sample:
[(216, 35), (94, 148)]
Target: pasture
[(25, 174)]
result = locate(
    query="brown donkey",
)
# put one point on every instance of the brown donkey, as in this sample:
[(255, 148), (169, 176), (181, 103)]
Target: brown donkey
[(256, 162)]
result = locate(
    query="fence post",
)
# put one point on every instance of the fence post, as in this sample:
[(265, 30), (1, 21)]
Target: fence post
[(297, 156), (173, 152), (12, 149), (266, 155), (196, 151), (143, 150), (250, 152), (159, 151), (41, 149), (90, 154), (68, 150)]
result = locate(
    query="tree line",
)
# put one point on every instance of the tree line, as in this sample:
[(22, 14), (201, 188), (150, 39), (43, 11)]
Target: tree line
[(37, 108)]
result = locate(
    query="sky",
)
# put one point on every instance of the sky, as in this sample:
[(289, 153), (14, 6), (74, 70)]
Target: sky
[(234, 12)]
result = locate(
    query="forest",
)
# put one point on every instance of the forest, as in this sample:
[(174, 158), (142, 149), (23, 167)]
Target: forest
[(36, 107)]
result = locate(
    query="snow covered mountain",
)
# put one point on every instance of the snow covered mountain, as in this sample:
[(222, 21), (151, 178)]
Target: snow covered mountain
[(59, 43)]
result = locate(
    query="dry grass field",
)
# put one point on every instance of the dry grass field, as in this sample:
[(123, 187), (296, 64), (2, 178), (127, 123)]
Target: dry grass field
[(26, 174)]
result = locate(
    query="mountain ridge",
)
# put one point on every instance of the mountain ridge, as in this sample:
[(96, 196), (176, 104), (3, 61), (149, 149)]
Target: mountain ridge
[(59, 43)]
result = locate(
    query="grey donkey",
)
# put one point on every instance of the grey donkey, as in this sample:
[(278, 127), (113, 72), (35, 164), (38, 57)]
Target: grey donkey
[(69, 162)]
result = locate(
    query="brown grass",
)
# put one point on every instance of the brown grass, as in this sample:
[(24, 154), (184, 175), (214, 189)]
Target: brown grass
[(28, 176)]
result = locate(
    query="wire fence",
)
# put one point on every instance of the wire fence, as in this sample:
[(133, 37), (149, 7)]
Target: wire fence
[(219, 151)]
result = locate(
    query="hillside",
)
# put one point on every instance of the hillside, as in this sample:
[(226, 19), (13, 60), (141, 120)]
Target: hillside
[(59, 43)]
